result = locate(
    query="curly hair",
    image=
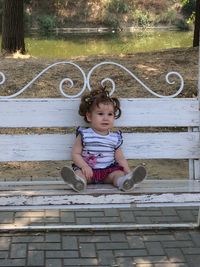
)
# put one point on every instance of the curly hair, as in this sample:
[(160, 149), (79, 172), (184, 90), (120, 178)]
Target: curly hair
[(94, 98)]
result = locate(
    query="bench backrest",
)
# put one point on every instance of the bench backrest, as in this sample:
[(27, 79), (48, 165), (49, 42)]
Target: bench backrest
[(177, 138)]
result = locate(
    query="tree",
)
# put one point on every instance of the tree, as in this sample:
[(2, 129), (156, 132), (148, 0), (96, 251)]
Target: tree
[(13, 26), (196, 24)]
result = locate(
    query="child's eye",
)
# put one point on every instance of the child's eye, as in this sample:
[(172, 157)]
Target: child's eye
[(100, 113), (110, 114)]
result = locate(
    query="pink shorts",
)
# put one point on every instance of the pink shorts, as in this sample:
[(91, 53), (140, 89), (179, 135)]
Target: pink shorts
[(99, 175)]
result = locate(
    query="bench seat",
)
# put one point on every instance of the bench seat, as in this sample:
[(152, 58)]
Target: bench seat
[(55, 194)]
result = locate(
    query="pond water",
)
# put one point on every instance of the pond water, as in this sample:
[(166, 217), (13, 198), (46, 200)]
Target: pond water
[(74, 45)]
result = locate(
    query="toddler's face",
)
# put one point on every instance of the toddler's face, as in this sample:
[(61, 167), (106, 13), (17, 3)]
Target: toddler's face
[(102, 118)]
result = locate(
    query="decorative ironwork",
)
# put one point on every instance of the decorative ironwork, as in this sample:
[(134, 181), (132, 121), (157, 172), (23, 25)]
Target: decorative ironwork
[(70, 81), (3, 78), (86, 80), (172, 73)]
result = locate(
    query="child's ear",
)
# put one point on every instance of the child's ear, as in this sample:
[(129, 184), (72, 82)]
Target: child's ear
[(88, 116)]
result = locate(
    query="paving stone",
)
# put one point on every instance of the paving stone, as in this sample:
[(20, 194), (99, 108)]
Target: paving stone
[(18, 251), (35, 258), (4, 242), (171, 265), (44, 246), (3, 254), (144, 265), (154, 248), (131, 252), (195, 235), (53, 237), (164, 219), (106, 257), (175, 244), (67, 217), (116, 236), (87, 250), (81, 262), (52, 213), (111, 212), (28, 238), (7, 217), (135, 242), (182, 235), (125, 262), (169, 211), (96, 238), (83, 221), (29, 214), (193, 251), (151, 259), (159, 237), (111, 245), (105, 219), (127, 216), (12, 262), (69, 242), (90, 214), (56, 254), (193, 261), (54, 263), (175, 254), (143, 220)]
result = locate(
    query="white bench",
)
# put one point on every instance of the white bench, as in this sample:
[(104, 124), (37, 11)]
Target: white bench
[(184, 143)]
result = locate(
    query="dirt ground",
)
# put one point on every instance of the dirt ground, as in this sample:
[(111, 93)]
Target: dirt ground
[(151, 68)]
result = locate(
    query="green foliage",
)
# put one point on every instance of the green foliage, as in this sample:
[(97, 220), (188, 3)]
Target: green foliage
[(111, 21), (182, 25), (141, 18), (188, 8), (46, 23), (168, 17), (117, 6), (1, 6)]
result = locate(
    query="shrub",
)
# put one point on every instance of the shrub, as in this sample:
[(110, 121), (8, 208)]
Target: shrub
[(141, 18), (182, 25), (46, 23), (117, 6)]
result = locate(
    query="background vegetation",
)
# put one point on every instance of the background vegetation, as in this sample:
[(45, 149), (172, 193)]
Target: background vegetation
[(46, 15)]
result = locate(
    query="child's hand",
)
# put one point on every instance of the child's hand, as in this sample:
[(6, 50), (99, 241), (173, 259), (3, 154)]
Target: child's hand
[(87, 172)]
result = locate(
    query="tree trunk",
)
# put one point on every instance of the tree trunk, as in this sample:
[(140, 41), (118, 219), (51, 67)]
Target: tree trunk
[(197, 24), (13, 26)]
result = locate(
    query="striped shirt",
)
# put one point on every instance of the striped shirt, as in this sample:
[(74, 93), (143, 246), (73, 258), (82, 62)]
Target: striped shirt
[(99, 150)]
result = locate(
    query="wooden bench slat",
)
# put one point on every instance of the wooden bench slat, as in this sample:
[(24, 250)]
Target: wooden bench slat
[(174, 145), (137, 112), (59, 187), (102, 199)]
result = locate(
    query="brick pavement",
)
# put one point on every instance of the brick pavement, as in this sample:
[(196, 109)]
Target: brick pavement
[(161, 248)]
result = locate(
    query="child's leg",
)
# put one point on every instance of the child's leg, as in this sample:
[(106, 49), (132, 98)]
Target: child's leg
[(75, 181), (127, 182)]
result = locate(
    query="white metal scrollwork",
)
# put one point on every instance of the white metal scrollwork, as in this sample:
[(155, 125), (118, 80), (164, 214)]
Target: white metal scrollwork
[(136, 78), (3, 78), (70, 81), (86, 80)]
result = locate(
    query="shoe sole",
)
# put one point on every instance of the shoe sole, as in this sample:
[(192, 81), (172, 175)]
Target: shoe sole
[(137, 176), (72, 180)]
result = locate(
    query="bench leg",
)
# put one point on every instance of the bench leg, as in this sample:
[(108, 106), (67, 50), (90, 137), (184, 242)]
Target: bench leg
[(198, 218)]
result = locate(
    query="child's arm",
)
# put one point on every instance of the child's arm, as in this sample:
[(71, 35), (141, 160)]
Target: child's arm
[(78, 159), (119, 157)]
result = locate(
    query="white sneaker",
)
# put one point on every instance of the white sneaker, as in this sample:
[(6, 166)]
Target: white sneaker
[(128, 181), (74, 181)]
